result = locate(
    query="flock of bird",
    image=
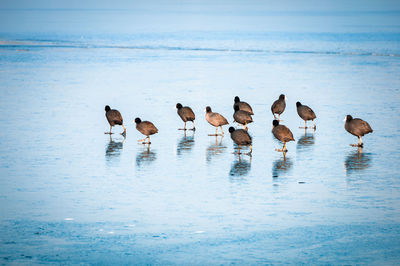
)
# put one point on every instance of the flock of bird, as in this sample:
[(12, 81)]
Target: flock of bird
[(243, 116)]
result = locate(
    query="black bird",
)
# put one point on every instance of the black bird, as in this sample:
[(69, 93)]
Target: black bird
[(146, 128), (358, 128), (242, 117), (241, 137), (282, 133), (114, 117), (242, 106), (186, 113), (306, 113), (216, 120), (279, 106)]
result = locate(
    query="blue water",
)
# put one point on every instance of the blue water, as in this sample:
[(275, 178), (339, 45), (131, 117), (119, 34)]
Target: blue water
[(70, 194)]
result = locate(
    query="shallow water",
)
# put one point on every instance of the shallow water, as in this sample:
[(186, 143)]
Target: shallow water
[(71, 194)]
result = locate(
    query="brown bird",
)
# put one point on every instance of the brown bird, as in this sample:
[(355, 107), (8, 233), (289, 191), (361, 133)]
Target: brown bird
[(146, 128), (114, 117), (241, 137), (282, 133), (186, 114), (242, 117), (243, 106), (358, 128), (306, 113), (279, 106), (216, 120)]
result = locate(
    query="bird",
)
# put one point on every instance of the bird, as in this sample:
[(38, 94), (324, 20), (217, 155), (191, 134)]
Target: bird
[(243, 106), (146, 128), (282, 133), (186, 113), (279, 106), (242, 117), (114, 117), (241, 137), (306, 113), (358, 128), (216, 120)]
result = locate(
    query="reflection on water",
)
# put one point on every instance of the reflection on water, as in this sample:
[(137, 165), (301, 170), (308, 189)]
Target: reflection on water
[(145, 157), (240, 167), (306, 141), (215, 148), (113, 149), (281, 166), (356, 161), (186, 143)]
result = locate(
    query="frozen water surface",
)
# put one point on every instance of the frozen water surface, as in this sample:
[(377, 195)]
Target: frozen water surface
[(71, 194)]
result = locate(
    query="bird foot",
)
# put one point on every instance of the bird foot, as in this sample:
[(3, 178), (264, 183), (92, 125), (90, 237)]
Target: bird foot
[(146, 142), (281, 150), (216, 135), (108, 133), (236, 152), (357, 145), (249, 154), (182, 129), (123, 134), (193, 129)]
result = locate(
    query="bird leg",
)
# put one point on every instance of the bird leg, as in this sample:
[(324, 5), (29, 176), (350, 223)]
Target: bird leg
[(251, 151), (305, 124), (148, 142), (108, 132), (222, 130), (238, 152), (245, 126), (140, 140), (123, 133), (194, 128), (216, 132), (358, 143), (315, 126), (184, 128), (283, 148)]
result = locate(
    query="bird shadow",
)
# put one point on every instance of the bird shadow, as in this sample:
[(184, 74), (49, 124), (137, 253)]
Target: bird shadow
[(357, 161), (185, 144), (281, 166), (305, 142), (240, 167), (146, 156), (114, 148), (215, 148)]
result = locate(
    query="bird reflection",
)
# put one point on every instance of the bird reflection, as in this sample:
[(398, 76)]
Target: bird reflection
[(145, 157), (113, 148), (356, 161), (185, 144), (281, 166), (306, 141), (240, 167), (215, 148)]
